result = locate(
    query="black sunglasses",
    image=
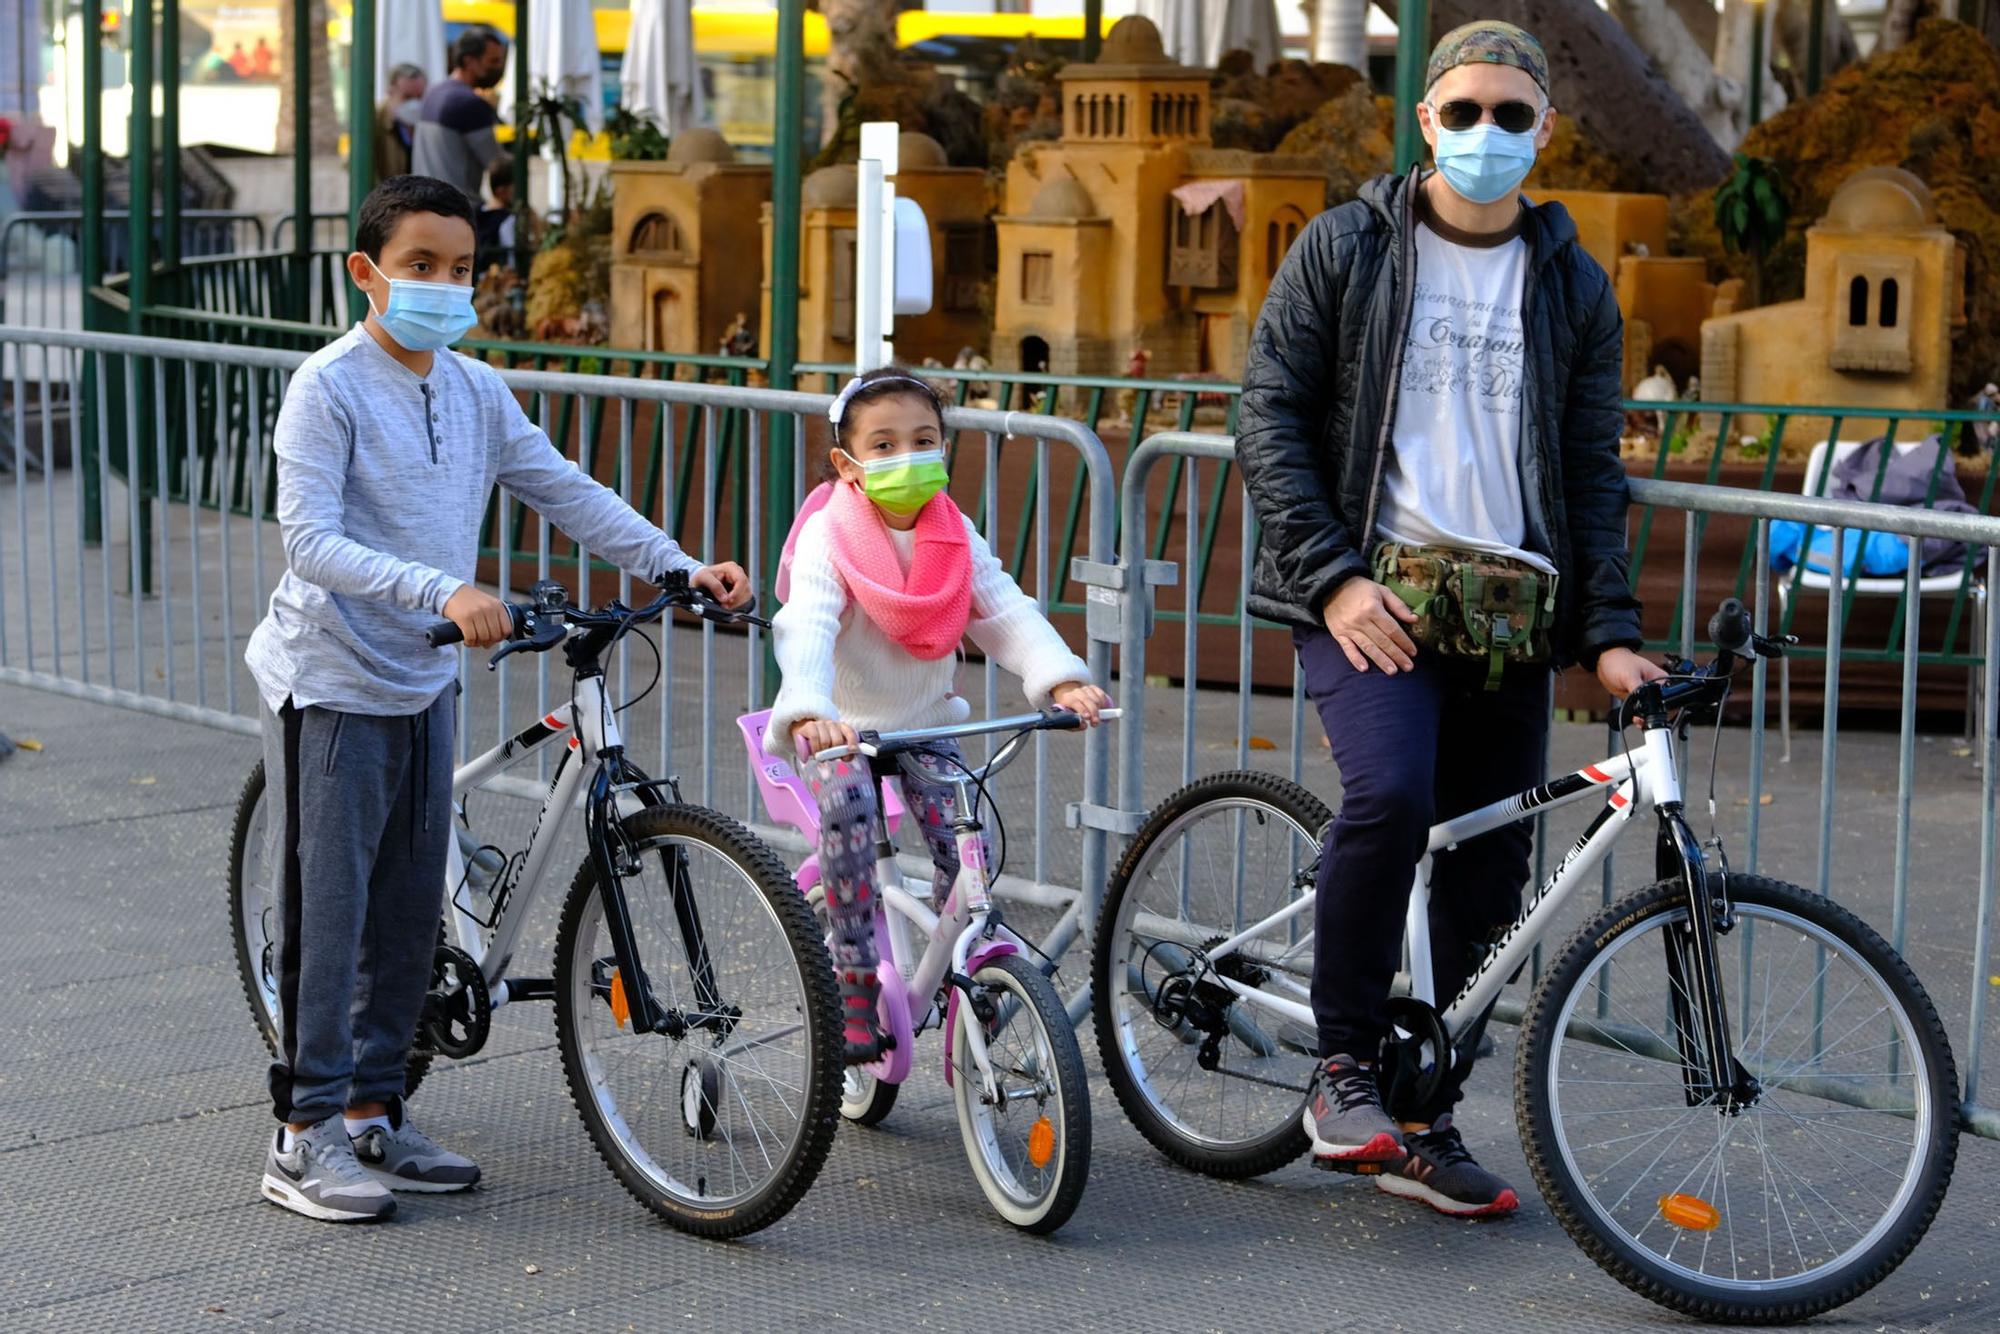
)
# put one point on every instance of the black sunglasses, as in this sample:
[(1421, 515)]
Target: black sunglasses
[(1464, 113)]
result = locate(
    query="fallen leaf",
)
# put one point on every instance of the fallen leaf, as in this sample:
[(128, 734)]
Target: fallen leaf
[(531, 1269), (27, 743), (1262, 743), (146, 781)]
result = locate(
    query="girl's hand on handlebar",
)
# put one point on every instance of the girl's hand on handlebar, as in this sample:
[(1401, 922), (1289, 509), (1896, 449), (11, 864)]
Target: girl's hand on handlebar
[(813, 735), (1085, 701), (1621, 671), (724, 581), (481, 617)]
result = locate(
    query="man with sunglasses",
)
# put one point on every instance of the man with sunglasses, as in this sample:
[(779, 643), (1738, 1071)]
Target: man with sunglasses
[(1431, 416)]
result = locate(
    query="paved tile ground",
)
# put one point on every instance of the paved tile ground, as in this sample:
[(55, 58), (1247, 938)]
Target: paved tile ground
[(132, 1119)]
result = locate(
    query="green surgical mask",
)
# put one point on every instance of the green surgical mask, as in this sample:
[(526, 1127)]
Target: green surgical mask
[(903, 484)]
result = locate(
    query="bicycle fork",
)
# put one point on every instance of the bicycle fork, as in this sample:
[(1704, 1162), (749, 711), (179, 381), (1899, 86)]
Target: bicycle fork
[(1710, 1072)]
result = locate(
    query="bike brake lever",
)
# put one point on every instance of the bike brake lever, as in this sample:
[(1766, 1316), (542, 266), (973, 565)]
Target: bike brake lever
[(546, 634)]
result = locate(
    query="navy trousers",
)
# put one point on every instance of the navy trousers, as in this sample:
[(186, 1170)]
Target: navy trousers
[(1415, 748)]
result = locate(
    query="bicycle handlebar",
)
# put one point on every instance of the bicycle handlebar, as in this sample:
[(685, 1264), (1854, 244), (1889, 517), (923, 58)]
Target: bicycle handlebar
[(874, 744), (552, 607)]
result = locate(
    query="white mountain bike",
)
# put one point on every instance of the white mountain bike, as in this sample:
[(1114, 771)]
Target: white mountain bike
[(695, 1007), (1752, 1118)]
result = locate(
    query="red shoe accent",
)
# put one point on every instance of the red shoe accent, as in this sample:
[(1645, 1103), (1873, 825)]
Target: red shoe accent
[(1384, 1148)]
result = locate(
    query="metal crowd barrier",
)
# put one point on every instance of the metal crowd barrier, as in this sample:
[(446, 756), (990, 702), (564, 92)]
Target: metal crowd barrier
[(1150, 764), (136, 576)]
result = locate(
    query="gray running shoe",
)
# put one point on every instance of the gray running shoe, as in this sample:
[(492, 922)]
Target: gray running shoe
[(1442, 1173), (320, 1178), (405, 1158), (1344, 1117)]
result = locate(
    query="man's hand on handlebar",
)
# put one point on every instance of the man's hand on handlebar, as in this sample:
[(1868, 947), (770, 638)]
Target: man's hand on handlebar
[(814, 735), (482, 618), (1085, 701), (1621, 671), (724, 581)]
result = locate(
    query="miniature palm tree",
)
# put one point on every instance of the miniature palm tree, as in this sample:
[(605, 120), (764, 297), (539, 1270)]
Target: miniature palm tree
[(1751, 213)]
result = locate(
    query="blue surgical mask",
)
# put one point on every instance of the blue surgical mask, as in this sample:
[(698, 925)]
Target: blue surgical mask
[(424, 317), (1485, 162)]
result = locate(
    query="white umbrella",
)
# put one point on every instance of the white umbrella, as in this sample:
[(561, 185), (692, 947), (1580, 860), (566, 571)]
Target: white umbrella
[(1183, 26), (661, 78), (562, 54), (1243, 25), (408, 32)]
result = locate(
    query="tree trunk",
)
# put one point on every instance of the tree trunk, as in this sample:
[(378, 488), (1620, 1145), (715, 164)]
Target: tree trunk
[(1658, 30), (1600, 78), (1732, 52), (1899, 21), (1700, 19), (861, 50), (325, 127)]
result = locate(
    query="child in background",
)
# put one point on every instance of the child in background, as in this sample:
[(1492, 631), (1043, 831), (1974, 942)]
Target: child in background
[(886, 577)]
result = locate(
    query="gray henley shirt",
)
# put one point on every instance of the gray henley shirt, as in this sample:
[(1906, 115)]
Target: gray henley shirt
[(384, 476)]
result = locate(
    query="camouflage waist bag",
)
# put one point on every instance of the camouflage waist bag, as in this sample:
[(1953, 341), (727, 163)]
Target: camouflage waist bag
[(1472, 604)]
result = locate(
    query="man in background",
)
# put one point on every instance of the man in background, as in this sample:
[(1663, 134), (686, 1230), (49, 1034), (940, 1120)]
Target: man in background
[(396, 118), (454, 140)]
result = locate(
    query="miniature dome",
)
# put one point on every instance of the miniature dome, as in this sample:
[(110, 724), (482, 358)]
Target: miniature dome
[(1133, 40), (919, 152), (700, 144), (1880, 199), (1062, 197), (832, 187)]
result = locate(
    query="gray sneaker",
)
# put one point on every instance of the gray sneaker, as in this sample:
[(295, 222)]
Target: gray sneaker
[(319, 1177), (405, 1158), (1344, 1117)]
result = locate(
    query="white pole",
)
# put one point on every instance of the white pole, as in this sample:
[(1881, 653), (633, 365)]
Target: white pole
[(868, 268), (1340, 33)]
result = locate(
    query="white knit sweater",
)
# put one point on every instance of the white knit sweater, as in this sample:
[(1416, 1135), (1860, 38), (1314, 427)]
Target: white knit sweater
[(837, 664)]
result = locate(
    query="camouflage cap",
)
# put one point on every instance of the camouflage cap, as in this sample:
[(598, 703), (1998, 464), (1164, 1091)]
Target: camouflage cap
[(1488, 42)]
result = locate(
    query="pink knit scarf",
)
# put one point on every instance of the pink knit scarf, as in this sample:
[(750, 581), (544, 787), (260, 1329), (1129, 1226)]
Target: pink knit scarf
[(924, 609)]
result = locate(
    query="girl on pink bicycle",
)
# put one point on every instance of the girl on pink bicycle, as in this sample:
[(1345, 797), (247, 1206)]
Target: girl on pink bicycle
[(882, 578)]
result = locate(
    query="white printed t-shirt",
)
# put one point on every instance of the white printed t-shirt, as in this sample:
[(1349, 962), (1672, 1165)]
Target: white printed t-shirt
[(1453, 477)]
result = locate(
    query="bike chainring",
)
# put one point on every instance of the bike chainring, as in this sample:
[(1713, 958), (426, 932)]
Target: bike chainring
[(458, 1011), (1409, 1081)]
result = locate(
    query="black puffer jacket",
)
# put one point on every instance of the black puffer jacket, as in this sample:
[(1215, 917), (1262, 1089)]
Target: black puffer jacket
[(1318, 411)]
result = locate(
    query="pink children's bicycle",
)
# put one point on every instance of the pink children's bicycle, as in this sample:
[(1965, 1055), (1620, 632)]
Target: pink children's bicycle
[(1015, 1071)]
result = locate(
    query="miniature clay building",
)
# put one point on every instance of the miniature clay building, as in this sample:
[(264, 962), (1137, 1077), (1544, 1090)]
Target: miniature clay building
[(678, 279), (1664, 298), (954, 203), (1884, 289), (1131, 231)]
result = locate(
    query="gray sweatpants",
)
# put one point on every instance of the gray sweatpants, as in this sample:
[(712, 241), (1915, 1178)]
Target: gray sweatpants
[(360, 811)]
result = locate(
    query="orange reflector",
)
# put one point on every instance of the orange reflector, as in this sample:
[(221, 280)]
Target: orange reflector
[(1041, 1141), (620, 1010), (1691, 1212)]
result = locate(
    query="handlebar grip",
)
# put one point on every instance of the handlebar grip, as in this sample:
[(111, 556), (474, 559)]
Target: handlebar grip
[(1729, 628), (443, 633)]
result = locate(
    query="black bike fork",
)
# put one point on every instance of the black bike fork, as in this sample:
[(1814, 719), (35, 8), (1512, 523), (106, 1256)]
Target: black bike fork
[(1709, 1070)]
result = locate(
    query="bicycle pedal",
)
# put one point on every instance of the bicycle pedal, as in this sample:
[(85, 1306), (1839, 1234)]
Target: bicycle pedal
[(1347, 1168)]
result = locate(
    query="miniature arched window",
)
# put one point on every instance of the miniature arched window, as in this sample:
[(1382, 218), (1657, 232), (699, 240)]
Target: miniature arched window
[(658, 233), (1156, 115), (1093, 115), (1890, 295), (1271, 252), (1291, 234), (1076, 118), (1121, 115), (1857, 301)]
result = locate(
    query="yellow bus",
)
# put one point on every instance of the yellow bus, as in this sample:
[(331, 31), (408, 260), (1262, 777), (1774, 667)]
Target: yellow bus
[(738, 49)]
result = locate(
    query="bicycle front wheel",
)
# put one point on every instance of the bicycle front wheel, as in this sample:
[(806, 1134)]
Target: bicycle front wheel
[(1029, 1138), (1774, 1209), (1213, 1079), (720, 1120)]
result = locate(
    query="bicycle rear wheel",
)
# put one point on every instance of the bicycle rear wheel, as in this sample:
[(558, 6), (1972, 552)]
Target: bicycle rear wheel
[(721, 1121), (1788, 1206), (1214, 1082)]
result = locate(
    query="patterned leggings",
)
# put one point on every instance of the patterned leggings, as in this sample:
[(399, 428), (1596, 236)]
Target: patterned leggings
[(848, 805)]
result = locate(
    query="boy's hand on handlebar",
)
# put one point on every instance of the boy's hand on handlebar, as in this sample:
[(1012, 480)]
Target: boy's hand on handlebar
[(481, 617), (814, 735), (1363, 618), (1085, 701), (1621, 671), (724, 581)]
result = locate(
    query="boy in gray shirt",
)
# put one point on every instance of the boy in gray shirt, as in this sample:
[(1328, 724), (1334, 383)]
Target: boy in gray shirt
[(388, 449)]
